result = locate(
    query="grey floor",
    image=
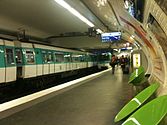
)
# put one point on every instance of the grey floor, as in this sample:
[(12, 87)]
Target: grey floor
[(95, 102)]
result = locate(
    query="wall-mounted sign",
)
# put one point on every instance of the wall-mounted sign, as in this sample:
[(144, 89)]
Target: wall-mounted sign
[(136, 60)]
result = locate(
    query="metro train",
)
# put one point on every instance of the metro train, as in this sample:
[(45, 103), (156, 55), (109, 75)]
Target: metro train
[(104, 60), (36, 62)]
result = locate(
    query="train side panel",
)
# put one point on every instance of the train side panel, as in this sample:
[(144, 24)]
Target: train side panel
[(10, 71), (29, 68), (2, 74), (39, 65), (10, 74), (51, 68), (39, 69), (45, 69), (50, 61), (29, 71), (2, 63), (60, 66), (44, 58)]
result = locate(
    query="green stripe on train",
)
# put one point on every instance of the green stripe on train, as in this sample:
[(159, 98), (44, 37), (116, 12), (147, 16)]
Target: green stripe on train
[(2, 55), (38, 56)]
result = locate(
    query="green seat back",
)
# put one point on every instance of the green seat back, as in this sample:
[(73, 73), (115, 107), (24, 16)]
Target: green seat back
[(136, 102), (137, 76), (150, 114)]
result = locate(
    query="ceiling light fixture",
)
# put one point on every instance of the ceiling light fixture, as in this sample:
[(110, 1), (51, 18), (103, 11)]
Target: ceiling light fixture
[(101, 3), (74, 12), (131, 37)]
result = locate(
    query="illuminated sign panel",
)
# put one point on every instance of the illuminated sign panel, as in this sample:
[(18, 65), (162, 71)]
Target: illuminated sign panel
[(113, 36), (136, 60)]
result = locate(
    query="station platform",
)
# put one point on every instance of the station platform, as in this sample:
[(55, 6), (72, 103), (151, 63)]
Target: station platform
[(93, 102)]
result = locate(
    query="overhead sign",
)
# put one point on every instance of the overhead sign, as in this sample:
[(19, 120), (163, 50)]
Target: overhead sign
[(113, 36)]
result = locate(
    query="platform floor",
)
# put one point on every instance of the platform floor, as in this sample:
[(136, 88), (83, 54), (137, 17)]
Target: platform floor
[(95, 102)]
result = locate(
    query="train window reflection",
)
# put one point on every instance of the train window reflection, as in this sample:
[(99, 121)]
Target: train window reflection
[(59, 57), (75, 58), (67, 58), (9, 56), (44, 57), (30, 57), (18, 56), (78, 58), (50, 57)]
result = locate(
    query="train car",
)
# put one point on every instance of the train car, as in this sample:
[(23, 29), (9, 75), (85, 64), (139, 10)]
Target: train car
[(7, 62), (104, 60), (36, 63)]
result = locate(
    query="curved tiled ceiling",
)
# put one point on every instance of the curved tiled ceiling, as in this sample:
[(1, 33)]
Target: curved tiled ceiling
[(163, 5), (103, 10), (41, 18), (45, 18)]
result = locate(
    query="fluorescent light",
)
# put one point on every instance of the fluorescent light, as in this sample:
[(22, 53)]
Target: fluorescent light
[(99, 31), (126, 4), (104, 53), (116, 50), (101, 3), (127, 44), (129, 48), (74, 12), (131, 38)]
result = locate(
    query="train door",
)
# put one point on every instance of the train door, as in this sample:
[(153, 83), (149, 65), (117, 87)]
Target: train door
[(2, 64), (50, 62), (83, 61), (45, 62), (68, 60), (10, 64), (19, 62), (60, 65), (29, 67), (87, 60)]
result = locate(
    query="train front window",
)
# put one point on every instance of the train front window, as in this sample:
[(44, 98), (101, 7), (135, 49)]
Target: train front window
[(9, 56), (30, 57)]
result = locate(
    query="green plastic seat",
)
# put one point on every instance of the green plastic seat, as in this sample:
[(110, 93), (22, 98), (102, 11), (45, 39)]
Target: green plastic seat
[(137, 77), (136, 102), (150, 114)]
